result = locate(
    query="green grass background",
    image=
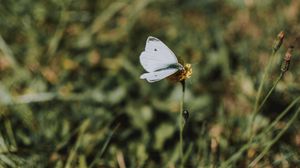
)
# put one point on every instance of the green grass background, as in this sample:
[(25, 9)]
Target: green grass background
[(70, 93)]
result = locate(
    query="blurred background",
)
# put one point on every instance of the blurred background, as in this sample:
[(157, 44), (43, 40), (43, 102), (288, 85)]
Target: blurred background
[(71, 96)]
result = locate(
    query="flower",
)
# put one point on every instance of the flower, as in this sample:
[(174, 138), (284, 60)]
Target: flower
[(183, 74)]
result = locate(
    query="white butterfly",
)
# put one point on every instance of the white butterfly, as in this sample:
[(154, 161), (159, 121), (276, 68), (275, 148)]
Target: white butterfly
[(158, 60)]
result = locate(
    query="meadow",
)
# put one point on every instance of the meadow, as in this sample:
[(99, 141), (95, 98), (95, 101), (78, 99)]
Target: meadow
[(71, 93)]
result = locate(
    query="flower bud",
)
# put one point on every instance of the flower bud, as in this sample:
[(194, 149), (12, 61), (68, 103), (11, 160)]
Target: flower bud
[(287, 59), (278, 41)]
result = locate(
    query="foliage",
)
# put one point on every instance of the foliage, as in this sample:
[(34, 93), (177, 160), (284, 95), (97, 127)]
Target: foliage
[(71, 94)]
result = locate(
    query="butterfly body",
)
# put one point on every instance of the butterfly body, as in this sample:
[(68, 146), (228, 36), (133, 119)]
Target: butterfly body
[(158, 60)]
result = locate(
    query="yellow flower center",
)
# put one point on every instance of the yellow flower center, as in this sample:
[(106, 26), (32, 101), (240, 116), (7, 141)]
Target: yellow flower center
[(182, 74)]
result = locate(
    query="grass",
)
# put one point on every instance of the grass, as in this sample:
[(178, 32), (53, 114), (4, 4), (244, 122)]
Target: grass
[(70, 93)]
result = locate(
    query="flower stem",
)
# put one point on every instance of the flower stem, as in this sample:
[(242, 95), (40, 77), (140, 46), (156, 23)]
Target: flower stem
[(282, 114), (257, 107), (181, 125), (270, 91), (260, 88), (270, 144), (265, 99), (259, 138)]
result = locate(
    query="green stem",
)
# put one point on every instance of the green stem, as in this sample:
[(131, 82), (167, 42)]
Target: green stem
[(268, 147), (181, 125), (248, 145), (101, 152), (235, 156), (267, 69), (263, 103), (279, 117), (270, 91)]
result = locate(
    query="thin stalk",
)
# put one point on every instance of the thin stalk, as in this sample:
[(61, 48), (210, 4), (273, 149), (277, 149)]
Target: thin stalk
[(248, 145), (270, 91), (263, 103), (188, 152), (181, 125), (101, 152), (259, 93), (284, 112), (235, 156), (268, 147)]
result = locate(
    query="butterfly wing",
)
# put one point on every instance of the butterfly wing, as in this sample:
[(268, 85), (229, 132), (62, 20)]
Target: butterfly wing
[(156, 55), (158, 75)]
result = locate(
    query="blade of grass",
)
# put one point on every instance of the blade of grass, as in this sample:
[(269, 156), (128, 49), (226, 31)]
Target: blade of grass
[(270, 91), (63, 21), (7, 161), (10, 134), (240, 152), (272, 125), (101, 152), (188, 152), (83, 127), (263, 103), (7, 52), (270, 144), (259, 93), (106, 15)]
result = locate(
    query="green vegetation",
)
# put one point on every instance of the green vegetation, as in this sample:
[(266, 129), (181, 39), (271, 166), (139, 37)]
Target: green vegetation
[(70, 93)]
